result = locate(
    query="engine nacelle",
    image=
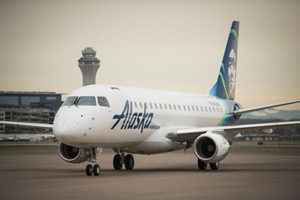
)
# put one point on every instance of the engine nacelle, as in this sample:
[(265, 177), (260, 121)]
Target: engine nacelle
[(73, 154), (211, 147)]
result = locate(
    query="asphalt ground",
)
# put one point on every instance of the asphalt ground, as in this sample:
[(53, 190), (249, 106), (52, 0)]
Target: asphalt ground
[(244, 174)]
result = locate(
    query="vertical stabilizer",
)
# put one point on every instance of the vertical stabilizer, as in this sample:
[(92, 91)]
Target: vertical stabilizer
[(225, 85)]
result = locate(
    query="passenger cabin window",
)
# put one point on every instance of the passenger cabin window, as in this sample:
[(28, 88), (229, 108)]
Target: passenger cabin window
[(102, 101), (69, 101), (155, 105), (86, 101), (135, 104)]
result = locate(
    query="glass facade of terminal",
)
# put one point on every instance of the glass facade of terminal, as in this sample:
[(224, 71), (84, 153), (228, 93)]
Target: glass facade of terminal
[(36, 107)]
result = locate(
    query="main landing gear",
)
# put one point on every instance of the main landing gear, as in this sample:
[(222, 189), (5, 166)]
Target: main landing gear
[(202, 165), (120, 159)]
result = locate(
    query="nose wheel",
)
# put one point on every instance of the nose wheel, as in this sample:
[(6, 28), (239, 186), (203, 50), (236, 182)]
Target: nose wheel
[(90, 170)]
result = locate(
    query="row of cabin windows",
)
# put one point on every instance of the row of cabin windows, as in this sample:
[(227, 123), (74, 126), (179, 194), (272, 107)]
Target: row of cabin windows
[(102, 101), (178, 107)]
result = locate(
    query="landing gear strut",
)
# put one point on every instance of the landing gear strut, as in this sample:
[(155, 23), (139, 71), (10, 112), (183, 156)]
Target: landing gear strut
[(120, 159)]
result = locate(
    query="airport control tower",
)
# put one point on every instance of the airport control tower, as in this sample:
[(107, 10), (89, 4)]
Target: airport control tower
[(88, 65)]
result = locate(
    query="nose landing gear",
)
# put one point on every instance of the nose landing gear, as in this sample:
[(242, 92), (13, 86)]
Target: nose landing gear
[(93, 168), (90, 170)]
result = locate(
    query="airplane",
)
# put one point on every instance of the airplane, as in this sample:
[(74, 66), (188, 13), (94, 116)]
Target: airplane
[(147, 121)]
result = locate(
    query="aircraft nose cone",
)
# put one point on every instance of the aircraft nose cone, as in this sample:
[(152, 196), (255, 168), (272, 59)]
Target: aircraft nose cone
[(68, 127), (65, 127), (59, 129)]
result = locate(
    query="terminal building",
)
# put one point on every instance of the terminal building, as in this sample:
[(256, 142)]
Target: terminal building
[(38, 107)]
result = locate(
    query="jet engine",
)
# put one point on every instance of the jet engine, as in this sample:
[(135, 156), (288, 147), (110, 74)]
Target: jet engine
[(73, 154), (211, 147)]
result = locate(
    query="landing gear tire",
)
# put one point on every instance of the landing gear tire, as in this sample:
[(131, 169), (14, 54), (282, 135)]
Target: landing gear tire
[(96, 170), (129, 162), (214, 166), (201, 165), (118, 163), (89, 170)]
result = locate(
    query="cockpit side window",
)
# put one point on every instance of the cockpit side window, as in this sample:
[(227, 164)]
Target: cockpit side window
[(102, 101), (86, 101), (69, 101)]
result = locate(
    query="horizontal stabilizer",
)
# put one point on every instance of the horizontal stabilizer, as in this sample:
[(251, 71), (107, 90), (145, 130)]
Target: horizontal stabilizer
[(246, 110)]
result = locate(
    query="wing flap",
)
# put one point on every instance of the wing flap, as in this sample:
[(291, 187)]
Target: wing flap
[(27, 124)]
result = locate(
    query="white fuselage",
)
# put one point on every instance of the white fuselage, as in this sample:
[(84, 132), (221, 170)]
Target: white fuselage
[(136, 120)]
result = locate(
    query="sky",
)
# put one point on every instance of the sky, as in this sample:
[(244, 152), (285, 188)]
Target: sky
[(162, 44)]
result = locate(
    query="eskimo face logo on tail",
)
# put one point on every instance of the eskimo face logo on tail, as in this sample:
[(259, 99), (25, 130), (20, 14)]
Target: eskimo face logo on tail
[(232, 72), (135, 120)]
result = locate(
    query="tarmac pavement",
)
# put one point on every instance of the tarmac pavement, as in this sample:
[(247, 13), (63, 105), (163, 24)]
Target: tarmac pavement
[(244, 174)]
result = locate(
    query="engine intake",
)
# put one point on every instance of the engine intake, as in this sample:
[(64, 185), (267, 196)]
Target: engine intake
[(211, 147), (73, 154)]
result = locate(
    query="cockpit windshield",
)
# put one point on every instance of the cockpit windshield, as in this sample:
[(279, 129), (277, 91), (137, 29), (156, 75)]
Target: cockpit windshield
[(86, 101), (80, 101), (69, 101)]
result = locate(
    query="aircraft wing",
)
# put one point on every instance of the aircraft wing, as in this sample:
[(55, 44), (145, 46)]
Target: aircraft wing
[(29, 125), (246, 110), (190, 134)]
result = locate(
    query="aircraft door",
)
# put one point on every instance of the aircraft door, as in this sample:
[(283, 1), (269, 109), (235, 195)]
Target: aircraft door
[(116, 100)]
